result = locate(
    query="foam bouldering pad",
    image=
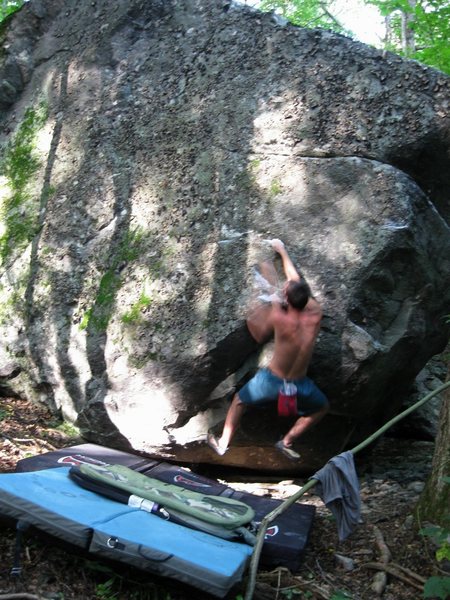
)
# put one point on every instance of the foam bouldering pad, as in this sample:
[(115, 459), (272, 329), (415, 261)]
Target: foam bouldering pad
[(286, 540)]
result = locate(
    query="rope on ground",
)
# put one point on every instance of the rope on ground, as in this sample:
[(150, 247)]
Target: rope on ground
[(254, 561)]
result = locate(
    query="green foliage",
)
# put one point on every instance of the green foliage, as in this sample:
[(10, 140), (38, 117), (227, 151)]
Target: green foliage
[(443, 553), (103, 591), (4, 413), (437, 587), (306, 13), (440, 536), (12, 300), (429, 21), (8, 7), (275, 188), (18, 165), (340, 596), (436, 533), (134, 315), (99, 315), (68, 429)]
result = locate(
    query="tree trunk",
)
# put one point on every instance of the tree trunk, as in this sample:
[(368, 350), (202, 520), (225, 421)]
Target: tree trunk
[(408, 38), (389, 33), (434, 503)]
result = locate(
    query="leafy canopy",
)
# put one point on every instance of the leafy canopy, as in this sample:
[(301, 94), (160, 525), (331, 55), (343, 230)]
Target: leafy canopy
[(305, 13), (427, 23), (7, 7)]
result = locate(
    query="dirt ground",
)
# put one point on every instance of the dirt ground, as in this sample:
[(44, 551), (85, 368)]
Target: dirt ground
[(331, 569)]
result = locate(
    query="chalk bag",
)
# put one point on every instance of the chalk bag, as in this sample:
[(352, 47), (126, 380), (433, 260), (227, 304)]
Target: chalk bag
[(287, 400)]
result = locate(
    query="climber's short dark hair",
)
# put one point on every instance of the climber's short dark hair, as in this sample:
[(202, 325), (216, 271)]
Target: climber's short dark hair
[(298, 294)]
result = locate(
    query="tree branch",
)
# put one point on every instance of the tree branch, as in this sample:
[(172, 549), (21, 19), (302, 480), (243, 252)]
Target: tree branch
[(393, 570), (253, 568)]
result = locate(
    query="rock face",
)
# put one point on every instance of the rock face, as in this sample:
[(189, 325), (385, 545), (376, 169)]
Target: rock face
[(166, 141)]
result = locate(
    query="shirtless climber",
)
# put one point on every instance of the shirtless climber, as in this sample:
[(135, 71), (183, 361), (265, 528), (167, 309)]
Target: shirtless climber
[(295, 323)]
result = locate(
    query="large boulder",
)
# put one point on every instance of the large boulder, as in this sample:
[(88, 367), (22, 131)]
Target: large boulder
[(171, 139)]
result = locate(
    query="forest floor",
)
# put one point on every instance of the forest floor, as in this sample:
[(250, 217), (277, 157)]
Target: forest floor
[(391, 480)]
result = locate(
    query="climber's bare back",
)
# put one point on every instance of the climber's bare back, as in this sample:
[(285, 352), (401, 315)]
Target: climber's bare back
[(295, 333)]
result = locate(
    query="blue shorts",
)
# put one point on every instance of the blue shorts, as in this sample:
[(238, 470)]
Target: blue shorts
[(264, 388)]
